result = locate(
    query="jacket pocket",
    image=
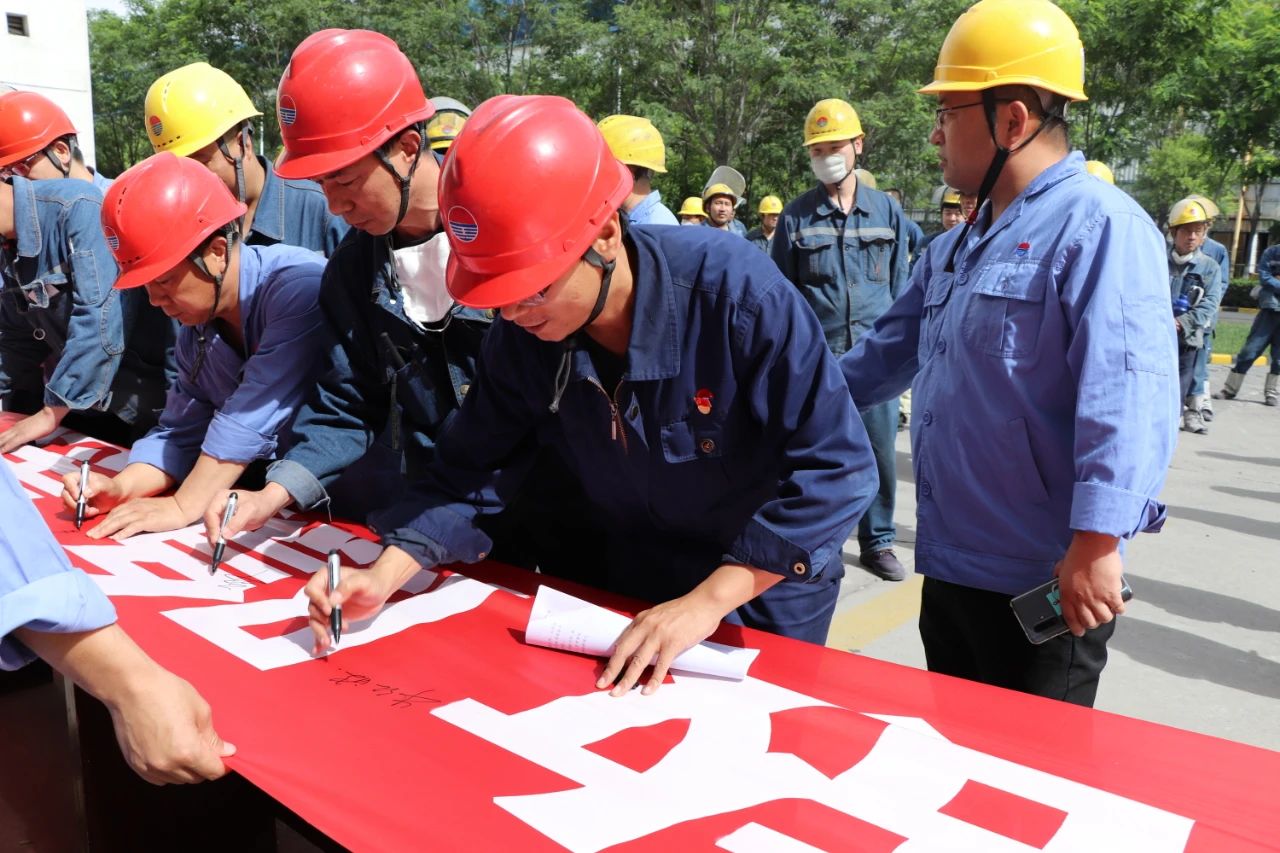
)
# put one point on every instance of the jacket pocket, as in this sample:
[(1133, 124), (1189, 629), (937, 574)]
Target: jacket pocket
[(814, 257), (1003, 315), (1022, 472), (876, 251)]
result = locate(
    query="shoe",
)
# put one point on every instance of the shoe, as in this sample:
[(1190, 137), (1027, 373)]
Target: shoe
[(1231, 387), (1206, 410), (883, 564), (1271, 393), (1192, 422)]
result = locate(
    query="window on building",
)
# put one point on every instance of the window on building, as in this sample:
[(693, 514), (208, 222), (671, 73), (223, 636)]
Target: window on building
[(17, 25)]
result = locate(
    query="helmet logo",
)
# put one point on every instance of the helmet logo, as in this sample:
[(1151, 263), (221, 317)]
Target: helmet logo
[(462, 224), (821, 122), (113, 241), (288, 111), (157, 126), (703, 401)]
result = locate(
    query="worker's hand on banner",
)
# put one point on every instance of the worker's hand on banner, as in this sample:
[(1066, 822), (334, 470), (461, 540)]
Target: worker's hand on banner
[(165, 731), (31, 428), (101, 495), (1089, 581), (361, 594), (665, 632), (253, 509), (140, 515)]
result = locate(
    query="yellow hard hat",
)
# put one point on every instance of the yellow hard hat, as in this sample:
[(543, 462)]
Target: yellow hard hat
[(192, 106), (946, 196), (1099, 170), (719, 189), (770, 204), (442, 129), (635, 141), (865, 178), (1186, 211), (1207, 203), (1010, 42), (692, 207), (831, 119)]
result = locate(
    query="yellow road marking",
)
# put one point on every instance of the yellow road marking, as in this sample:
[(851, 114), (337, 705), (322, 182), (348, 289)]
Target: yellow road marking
[(858, 627)]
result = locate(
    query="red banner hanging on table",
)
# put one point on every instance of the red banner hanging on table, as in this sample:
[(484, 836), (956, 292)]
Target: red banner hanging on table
[(435, 726)]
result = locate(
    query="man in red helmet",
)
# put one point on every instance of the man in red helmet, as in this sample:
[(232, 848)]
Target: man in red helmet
[(679, 374), (353, 118), (248, 353), (38, 141)]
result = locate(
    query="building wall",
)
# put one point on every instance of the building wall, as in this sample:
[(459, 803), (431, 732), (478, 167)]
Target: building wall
[(53, 59)]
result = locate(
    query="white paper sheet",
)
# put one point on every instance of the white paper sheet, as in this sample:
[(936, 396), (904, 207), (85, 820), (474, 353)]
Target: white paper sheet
[(560, 621)]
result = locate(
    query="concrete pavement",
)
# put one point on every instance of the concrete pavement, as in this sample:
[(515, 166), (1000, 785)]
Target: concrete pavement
[(1199, 647)]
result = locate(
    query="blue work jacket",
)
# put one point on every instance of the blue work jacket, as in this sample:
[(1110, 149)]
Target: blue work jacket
[(294, 212), (849, 267), (730, 436), (38, 587), (1269, 279), (1200, 271), (1045, 396), (651, 211), (239, 406), (388, 385), (756, 238), (67, 337), (1218, 253)]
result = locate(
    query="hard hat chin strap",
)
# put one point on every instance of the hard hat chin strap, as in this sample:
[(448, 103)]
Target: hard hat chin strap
[(246, 145), (202, 331), (405, 181), (989, 101)]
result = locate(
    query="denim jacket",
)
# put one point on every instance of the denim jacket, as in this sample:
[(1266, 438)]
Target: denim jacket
[(240, 403), (60, 315), (386, 380), (849, 267), (1204, 272), (295, 213), (1269, 279)]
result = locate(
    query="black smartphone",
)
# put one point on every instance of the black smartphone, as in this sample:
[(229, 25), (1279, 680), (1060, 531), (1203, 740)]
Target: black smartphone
[(1039, 611)]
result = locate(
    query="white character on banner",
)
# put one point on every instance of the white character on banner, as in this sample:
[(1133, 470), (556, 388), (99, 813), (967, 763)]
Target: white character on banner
[(724, 764)]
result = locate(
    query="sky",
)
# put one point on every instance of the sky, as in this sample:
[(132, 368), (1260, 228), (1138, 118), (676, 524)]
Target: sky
[(116, 6)]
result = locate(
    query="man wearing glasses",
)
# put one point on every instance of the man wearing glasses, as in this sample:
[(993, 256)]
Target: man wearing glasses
[(38, 141), (1039, 347)]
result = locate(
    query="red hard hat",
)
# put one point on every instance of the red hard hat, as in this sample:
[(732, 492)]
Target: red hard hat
[(158, 212), (28, 123), (525, 190), (344, 93)]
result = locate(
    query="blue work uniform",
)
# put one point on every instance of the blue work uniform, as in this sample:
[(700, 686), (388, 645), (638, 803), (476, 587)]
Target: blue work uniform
[(67, 337), (1218, 253), (294, 212), (38, 587), (1045, 394), (238, 406), (1199, 275), (725, 435), (1265, 329), (756, 238), (915, 236), (651, 211), (101, 181), (849, 267)]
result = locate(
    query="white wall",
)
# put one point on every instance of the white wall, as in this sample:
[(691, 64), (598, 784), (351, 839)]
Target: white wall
[(52, 60)]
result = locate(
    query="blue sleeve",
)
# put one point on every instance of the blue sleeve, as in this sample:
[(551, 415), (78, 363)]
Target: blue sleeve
[(1266, 277), (481, 457), (278, 375), (95, 332), (900, 265), (173, 445), (662, 215), (1206, 311), (38, 587), (883, 361), (780, 248), (1114, 292), (799, 399)]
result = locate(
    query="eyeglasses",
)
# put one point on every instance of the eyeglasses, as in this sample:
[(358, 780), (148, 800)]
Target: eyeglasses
[(22, 168), (940, 112)]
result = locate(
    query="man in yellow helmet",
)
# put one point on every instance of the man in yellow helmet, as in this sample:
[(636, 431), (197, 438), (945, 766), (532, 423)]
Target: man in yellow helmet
[(948, 201), (1040, 350), (844, 244), (720, 203), (691, 212), (770, 209), (198, 111), (1195, 286), (638, 145), (446, 124)]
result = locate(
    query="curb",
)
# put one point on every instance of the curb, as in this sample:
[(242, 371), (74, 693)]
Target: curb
[(1223, 358)]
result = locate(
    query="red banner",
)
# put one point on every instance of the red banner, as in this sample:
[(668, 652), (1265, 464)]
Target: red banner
[(434, 726)]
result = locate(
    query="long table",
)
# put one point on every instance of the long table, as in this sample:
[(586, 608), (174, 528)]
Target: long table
[(434, 726)]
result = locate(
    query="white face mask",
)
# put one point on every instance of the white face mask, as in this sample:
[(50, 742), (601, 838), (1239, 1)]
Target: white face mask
[(831, 169), (692, 222), (420, 271)]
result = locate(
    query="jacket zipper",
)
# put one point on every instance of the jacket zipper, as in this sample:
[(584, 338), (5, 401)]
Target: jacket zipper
[(617, 429)]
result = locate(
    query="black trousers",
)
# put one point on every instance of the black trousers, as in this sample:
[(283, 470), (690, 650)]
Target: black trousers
[(972, 633)]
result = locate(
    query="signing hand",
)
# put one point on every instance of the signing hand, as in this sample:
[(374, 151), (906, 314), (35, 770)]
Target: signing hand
[(664, 632), (1089, 581), (360, 594), (140, 515), (101, 493), (253, 509), (31, 428)]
